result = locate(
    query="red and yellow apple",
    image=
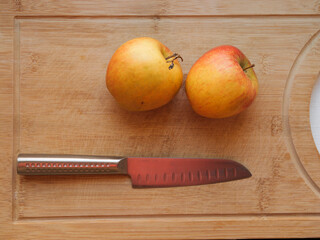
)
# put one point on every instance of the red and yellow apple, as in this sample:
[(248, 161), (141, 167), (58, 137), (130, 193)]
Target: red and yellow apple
[(143, 74), (221, 83)]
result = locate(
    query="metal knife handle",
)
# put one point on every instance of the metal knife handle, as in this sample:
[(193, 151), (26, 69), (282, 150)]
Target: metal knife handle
[(40, 164)]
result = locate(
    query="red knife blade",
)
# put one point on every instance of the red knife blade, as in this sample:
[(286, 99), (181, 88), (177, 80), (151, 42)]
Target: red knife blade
[(174, 172), (144, 172)]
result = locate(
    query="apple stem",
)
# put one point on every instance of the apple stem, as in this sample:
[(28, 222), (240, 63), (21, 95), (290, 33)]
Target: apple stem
[(174, 56), (248, 67)]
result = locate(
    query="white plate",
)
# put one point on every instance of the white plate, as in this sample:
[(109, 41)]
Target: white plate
[(315, 114)]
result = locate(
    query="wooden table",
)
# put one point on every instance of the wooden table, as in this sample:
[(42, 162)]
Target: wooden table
[(53, 99)]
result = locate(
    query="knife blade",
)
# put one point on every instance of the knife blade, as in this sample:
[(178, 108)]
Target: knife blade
[(143, 171)]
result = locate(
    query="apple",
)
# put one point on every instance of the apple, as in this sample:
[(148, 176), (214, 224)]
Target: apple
[(221, 83), (143, 74)]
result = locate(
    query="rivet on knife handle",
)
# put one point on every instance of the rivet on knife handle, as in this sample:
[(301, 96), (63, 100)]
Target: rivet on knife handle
[(38, 164)]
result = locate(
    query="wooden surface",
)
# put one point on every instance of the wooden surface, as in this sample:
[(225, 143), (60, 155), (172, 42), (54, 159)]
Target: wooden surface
[(53, 99)]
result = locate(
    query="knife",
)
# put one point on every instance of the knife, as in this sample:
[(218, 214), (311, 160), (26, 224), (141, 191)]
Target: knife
[(144, 172)]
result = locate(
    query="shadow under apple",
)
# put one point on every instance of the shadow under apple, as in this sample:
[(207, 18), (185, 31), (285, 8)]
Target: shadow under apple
[(175, 130)]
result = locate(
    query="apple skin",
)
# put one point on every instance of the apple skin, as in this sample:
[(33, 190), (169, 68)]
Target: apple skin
[(138, 75), (217, 85)]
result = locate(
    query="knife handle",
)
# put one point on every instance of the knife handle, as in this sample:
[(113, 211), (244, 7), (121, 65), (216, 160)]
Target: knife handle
[(40, 164)]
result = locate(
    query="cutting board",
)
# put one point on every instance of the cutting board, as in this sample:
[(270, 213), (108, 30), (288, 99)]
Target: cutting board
[(54, 100)]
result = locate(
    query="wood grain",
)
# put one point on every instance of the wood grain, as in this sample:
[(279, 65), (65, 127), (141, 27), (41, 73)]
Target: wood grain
[(161, 8), (53, 99), (187, 227), (6, 122)]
